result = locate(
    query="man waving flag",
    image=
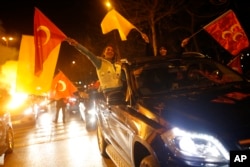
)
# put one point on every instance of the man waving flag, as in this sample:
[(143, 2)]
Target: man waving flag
[(46, 37)]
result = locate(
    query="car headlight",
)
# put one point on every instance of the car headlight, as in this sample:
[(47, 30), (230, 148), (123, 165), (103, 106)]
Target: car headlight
[(91, 111), (28, 111), (195, 146), (43, 103)]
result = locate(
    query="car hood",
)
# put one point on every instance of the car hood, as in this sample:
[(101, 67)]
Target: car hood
[(216, 110)]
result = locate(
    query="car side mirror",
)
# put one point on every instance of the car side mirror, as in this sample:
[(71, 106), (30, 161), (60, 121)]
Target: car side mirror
[(116, 97)]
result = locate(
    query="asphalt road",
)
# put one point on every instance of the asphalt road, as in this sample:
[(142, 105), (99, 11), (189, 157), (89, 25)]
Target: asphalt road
[(55, 145)]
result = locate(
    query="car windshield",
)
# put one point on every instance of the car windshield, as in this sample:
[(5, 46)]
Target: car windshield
[(182, 74)]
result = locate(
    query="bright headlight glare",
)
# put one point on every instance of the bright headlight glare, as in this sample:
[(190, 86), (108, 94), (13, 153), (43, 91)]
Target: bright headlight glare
[(92, 119), (91, 111), (28, 111), (43, 103), (195, 146)]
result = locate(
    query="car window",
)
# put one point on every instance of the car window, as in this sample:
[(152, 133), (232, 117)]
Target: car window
[(212, 71), (179, 75)]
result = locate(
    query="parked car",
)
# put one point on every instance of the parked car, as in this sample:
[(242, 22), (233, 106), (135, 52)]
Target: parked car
[(187, 110), (6, 130)]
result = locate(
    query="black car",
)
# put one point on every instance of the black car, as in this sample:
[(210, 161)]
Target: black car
[(6, 129), (182, 111)]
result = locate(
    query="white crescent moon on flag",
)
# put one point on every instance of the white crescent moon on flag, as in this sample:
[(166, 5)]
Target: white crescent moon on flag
[(232, 32), (47, 32), (63, 85), (236, 35), (224, 33), (235, 26)]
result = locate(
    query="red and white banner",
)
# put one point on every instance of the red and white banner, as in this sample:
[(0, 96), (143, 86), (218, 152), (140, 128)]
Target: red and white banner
[(46, 37), (61, 87), (227, 31)]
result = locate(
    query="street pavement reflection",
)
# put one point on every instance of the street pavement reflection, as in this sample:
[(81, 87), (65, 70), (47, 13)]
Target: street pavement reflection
[(55, 145)]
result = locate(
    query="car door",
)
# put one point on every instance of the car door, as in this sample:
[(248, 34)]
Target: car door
[(102, 112), (121, 133)]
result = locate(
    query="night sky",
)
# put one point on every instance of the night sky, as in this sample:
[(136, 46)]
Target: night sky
[(79, 19), (68, 15)]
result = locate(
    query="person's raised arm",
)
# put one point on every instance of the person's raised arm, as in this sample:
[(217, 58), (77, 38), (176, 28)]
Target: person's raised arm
[(94, 59)]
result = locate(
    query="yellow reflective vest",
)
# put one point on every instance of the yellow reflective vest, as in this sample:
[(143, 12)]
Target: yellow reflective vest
[(109, 75)]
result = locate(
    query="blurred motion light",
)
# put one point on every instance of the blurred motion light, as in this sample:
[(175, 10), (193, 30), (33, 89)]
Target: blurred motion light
[(17, 100), (7, 39)]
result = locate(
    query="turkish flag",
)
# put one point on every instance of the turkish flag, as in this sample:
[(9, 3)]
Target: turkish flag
[(46, 37), (62, 87), (227, 31)]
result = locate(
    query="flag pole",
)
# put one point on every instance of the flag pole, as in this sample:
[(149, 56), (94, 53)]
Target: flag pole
[(143, 35), (117, 47), (186, 40)]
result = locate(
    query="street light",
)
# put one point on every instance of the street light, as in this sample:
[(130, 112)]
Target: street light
[(108, 4), (7, 39)]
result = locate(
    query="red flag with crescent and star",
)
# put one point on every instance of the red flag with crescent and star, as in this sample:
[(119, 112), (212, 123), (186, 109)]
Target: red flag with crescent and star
[(227, 31), (62, 87), (46, 37)]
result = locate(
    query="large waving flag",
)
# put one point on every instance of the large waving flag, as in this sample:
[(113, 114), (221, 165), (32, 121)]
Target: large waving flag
[(227, 31), (114, 20), (47, 37), (26, 80), (62, 87)]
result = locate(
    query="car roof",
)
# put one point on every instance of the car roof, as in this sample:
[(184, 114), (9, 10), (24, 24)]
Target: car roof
[(155, 59)]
